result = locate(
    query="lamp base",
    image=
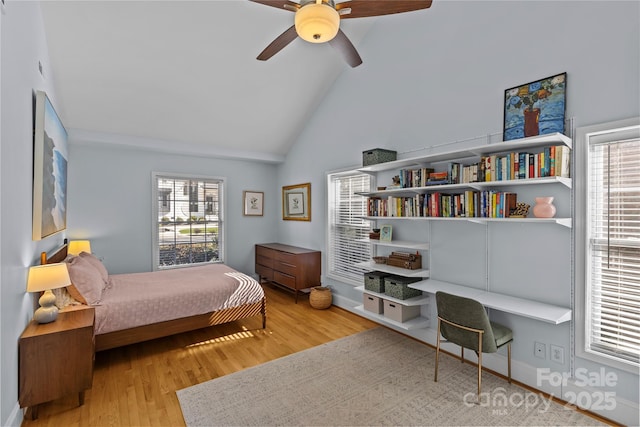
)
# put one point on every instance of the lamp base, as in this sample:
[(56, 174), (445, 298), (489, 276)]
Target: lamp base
[(48, 312)]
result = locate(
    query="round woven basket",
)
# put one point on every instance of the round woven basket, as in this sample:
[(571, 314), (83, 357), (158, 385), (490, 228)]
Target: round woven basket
[(320, 297)]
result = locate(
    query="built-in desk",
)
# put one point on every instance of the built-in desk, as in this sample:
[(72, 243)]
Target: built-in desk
[(519, 306)]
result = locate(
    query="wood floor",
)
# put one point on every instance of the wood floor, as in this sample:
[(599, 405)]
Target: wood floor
[(135, 385)]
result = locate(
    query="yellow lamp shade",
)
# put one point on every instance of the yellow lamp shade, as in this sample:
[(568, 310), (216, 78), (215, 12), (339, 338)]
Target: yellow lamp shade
[(48, 276), (317, 22), (77, 246)]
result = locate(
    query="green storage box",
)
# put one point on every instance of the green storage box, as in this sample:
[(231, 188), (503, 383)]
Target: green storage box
[(398, 287), (378, 155), (374, 281)]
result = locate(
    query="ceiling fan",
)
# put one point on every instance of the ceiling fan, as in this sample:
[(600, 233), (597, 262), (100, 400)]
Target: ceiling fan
[(318, 21)]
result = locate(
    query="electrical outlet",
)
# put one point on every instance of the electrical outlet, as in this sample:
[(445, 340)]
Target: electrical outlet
[(540, 350), (557, 353)]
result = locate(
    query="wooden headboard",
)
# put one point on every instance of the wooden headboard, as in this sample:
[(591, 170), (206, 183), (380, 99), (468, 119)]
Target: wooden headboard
[(58, 255)]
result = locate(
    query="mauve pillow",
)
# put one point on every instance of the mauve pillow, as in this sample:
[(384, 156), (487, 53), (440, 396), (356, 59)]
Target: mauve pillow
[(97, 264), (86, 281)]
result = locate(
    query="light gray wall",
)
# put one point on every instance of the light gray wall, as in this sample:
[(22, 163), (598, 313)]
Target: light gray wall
[(20, 77), (439, 76), (110, 202)]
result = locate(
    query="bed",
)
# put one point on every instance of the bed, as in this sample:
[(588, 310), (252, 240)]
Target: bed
[(131, 308)]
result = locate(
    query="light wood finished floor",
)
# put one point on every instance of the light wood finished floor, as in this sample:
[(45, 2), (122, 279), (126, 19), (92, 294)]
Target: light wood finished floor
[(135, 385)]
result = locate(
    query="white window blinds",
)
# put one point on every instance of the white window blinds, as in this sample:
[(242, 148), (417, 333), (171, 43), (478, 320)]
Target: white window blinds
[(348, 231), (613, 239)]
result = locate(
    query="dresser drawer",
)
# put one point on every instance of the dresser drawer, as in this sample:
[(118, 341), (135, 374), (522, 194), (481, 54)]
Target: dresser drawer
[(264, 272), (265, 252), (287, 258), (263, 260), (284, 279), (286, 268)]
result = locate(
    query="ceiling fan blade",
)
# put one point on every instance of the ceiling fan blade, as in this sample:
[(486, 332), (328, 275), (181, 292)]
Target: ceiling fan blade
[(280, 4), (365, 8), (279, 43), (342, 43)]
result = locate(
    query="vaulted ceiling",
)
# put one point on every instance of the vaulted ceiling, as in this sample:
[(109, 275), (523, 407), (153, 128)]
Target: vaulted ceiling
[(185, 73)]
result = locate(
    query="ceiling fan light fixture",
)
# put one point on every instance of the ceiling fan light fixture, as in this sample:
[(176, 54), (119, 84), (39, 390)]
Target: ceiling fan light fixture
[(317, 22)]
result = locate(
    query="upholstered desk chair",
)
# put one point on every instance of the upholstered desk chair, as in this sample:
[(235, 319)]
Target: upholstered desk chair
[(464, 321)]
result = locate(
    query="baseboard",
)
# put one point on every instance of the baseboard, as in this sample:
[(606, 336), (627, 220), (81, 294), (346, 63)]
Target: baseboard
[(619, 410), (15, 417)]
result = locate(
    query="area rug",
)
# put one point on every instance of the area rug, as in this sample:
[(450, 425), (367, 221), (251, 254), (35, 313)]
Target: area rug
[(376, 377)]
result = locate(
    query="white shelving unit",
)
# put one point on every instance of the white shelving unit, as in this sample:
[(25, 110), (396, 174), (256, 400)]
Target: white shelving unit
[(472, 153), (506, 303)]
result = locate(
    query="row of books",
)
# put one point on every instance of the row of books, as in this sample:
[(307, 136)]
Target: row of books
[(550, 161), (469, 204)]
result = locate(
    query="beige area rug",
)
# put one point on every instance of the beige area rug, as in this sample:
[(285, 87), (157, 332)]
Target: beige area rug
[(376, 377)]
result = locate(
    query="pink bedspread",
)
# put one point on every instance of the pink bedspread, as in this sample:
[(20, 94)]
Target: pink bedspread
[(139, 299)]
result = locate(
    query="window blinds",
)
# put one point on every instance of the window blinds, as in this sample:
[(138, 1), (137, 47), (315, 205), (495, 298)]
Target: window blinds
[(348, 231), (613, 305)]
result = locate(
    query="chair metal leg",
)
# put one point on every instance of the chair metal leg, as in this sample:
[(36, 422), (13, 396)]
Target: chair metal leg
[(509, 361), (479, 363), (435, 376)]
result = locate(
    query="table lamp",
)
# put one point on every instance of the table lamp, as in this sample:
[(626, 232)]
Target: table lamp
[(44, 278), (77, 246)]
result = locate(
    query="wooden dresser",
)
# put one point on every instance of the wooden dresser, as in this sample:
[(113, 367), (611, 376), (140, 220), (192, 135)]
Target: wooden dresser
[(290, 266)]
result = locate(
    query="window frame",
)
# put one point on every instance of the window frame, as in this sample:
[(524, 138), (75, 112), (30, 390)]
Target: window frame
[(155, 244), (330, 176), (616, 130)]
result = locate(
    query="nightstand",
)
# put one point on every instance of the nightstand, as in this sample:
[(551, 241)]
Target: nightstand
[(56, 359)]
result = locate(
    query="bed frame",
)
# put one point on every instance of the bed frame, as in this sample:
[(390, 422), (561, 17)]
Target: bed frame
[(171, 327)]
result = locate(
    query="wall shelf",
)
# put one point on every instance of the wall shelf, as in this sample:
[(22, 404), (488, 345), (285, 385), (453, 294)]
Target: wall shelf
[(495, 148), (419, 246), (565, 222), (419, 300), (370, 265), (415, 323)]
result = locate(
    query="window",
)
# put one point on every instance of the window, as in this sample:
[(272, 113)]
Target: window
[(347, 230), (188, 220), (610, 205)]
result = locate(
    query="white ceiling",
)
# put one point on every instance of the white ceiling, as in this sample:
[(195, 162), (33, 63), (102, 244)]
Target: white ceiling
[(184, 73)]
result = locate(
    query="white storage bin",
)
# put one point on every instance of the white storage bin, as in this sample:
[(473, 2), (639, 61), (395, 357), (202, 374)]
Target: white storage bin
[(372, 303), (400, 313)]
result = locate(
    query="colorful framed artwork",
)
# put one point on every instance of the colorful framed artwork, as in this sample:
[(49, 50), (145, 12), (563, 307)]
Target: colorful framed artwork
[(535, 108), (385, 233), (50, 154), (296, 202), (253, 202)]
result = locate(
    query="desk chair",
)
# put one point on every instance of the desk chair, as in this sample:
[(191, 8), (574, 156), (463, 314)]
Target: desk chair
[(464, 321)]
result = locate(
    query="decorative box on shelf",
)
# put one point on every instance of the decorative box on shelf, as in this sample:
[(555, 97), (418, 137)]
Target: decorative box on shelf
[(400, 313), (398, 287), (405, 260), (378, 155), (372, 303), (374, 281)]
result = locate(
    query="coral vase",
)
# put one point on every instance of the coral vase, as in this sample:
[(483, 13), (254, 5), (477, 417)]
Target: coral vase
[(544, 207)]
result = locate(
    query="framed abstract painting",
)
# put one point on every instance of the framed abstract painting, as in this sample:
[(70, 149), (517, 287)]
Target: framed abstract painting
[(535, 108), (50, 159)]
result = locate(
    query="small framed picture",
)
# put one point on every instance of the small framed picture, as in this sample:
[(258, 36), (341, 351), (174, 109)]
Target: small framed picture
[(296, 202), (385, 233), (253, 202)]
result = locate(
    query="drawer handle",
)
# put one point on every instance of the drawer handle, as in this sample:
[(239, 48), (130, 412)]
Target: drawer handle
[(370, 298), (392, 305)]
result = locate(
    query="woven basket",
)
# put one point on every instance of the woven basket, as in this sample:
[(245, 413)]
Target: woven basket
[(320, 297)]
